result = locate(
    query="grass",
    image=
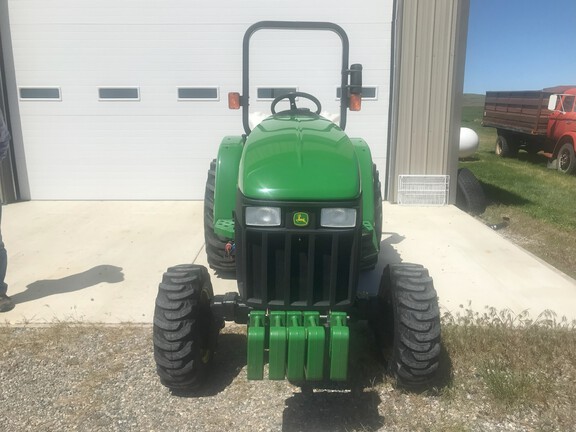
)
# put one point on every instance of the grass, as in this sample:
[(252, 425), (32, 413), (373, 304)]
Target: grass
[(538, 201), (517, 372)]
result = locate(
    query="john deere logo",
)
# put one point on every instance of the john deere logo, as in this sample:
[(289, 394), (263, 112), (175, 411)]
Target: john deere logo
[(300, 219)]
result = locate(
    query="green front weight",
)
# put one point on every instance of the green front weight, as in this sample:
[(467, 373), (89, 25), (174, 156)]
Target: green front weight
[(277, 351), (316, 335), (296, 346), (339, 342), (256, 338)]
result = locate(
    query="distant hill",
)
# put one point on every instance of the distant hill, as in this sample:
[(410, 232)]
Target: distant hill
[(473, 100)]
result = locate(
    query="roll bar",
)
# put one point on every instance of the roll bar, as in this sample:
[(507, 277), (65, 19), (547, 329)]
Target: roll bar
[(355, 71)]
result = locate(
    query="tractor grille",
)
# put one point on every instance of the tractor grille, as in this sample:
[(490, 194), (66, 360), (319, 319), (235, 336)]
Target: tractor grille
[(300, 270)]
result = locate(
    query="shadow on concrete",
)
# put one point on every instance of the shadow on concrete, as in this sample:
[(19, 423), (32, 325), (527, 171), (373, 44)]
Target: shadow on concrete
[(369, 281), (388, 254), (94, 276)]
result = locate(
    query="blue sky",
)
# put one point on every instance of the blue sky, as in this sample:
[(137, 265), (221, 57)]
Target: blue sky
[(520, 45)]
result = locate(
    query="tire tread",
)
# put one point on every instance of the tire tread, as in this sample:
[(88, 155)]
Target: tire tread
[(408, 302), (182, 327)]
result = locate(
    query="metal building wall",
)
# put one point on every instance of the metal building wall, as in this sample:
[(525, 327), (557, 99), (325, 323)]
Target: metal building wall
[(428, 78)]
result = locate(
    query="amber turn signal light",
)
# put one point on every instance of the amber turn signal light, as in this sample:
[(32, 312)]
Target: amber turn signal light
[(234, 101), (355, 102)]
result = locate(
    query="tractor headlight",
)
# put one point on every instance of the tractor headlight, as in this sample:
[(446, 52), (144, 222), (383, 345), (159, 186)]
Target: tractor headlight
[(338, 218), (263, 216)]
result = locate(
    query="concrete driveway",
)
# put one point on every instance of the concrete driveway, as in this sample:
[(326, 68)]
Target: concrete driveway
[(102, 261)]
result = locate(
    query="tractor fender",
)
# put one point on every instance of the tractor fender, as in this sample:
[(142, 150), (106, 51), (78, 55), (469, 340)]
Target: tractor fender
[(366, 165), (226, 184)]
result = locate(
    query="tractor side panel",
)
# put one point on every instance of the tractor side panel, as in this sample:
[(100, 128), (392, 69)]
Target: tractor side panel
[(227, 167)]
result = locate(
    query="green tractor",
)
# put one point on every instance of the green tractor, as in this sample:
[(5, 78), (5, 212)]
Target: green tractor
[(293, 209)]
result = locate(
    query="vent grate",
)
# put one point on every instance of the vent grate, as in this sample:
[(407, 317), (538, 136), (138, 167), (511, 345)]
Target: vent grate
[(424, 190)]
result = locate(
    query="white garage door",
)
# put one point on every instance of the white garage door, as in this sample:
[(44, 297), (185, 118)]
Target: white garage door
[(128, 100)]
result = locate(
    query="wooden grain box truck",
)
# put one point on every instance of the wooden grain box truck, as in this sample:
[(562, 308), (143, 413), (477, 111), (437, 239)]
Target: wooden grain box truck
[(535, 120)]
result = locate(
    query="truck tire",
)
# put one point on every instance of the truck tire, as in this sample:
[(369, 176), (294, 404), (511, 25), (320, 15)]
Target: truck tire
[(406, 322), (567, 159), (504, 147), (369, 262), (218, 258), (184, 329), (470, 196)]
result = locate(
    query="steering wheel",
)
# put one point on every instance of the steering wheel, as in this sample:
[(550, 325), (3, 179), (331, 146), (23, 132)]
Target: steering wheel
[(293, 108)]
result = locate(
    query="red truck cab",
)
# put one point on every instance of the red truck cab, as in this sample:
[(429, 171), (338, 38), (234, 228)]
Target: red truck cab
[(562, 129)]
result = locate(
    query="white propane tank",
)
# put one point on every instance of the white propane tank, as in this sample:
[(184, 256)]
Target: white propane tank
[(468, 142)]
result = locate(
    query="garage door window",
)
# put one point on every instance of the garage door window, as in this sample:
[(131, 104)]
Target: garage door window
[(39, 93), (119, 93), (198, 93)]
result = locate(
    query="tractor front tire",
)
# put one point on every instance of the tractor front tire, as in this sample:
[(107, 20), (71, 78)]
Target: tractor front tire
[(185, 330), (216, 254), (406, 321)]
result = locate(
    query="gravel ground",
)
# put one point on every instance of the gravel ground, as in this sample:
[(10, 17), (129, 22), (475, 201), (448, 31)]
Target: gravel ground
[(69, 377)]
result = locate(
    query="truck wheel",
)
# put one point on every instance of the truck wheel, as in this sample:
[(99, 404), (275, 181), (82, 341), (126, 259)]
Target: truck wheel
[(184, 331), (216, 254), (566, 159), (470, 196), (504, 148), (406, 321)]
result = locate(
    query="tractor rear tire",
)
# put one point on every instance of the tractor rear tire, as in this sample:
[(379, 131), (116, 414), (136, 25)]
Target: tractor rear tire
[(185, 331), (216, 254), (406, 322)]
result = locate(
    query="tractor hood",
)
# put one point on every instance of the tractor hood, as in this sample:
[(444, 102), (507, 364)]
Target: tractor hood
[(299, 157)]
